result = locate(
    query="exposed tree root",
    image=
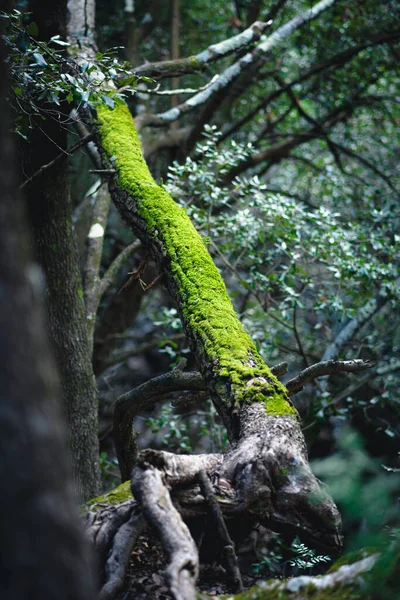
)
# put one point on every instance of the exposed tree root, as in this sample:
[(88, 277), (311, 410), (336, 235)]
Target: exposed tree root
[(118, 560), (154, 497), (218, 519)]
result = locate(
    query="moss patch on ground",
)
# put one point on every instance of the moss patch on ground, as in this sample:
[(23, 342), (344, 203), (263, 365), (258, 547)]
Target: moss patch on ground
[(115, 496), (204, 303)]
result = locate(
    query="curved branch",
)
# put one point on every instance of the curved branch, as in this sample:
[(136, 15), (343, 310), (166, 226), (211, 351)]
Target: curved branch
[(132, 403), (325, 368)]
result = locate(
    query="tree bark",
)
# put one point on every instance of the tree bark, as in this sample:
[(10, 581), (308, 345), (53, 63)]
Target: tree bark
[(50, 215), (267, 466), (42, 549)]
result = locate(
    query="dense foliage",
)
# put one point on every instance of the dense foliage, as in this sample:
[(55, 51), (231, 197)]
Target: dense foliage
[(290, 174)]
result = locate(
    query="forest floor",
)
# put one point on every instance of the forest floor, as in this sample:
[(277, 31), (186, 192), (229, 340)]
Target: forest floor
[(146, 575)]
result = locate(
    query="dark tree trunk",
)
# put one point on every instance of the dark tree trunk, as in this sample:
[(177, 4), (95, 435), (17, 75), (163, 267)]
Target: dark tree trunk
[(49, 209), (42, 548)]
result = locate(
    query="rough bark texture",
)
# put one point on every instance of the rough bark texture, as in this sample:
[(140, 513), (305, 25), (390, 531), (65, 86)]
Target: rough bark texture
[(228, 359), (267, 468), (50, 216), (42, 549)]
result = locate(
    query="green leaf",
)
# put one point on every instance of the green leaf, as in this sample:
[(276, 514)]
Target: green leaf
[(54, 98), (32, 29), (39, 59), (56, 39), (109, 101), (23, 41)]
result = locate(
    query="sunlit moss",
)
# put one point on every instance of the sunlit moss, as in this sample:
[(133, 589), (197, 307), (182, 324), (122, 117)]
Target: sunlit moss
[(205, 306)]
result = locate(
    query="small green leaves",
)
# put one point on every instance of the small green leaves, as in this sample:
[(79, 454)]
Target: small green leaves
[(42, 73)]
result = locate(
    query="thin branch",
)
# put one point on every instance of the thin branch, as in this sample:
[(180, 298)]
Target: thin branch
[(94, 250), (235, 70), (368, 165), (303, 113), (339, 60), (297, 336), (132, 403), (364, 314), (325, 368), (115, 266), (193, 64), (175, 92), (82, 131), (82, 142)]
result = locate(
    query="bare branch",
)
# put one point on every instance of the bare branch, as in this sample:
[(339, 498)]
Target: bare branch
[(325, 368), (94, 250), (84, 140), (81, 129), (115, 266), (233, 72), (337, 61), (365, 313), (192, 64), (130, 404)]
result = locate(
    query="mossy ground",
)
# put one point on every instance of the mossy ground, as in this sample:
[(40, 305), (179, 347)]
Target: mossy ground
[(204, 303), (115, 496)]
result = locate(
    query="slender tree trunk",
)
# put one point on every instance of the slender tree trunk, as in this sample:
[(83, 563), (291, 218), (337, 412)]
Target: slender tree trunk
[(175, 51), (42, 547), (50, 215)]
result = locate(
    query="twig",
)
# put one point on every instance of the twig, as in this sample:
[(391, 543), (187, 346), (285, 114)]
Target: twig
[(364, 314), (325, 368), (157, 92), (87, 138), (91, 147), (279, 369), (296, 335), (228, 545), (117, 263)]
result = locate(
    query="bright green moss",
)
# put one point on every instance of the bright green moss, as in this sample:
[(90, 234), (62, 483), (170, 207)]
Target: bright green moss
[(115, 496), (204, 303)]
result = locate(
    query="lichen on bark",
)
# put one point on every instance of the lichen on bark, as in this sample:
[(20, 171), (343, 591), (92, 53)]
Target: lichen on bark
[(228, 357)]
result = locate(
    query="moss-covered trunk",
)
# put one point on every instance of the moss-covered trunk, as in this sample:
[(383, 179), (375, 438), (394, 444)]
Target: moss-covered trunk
[(266, 471), (267, 464), (227, 357)]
